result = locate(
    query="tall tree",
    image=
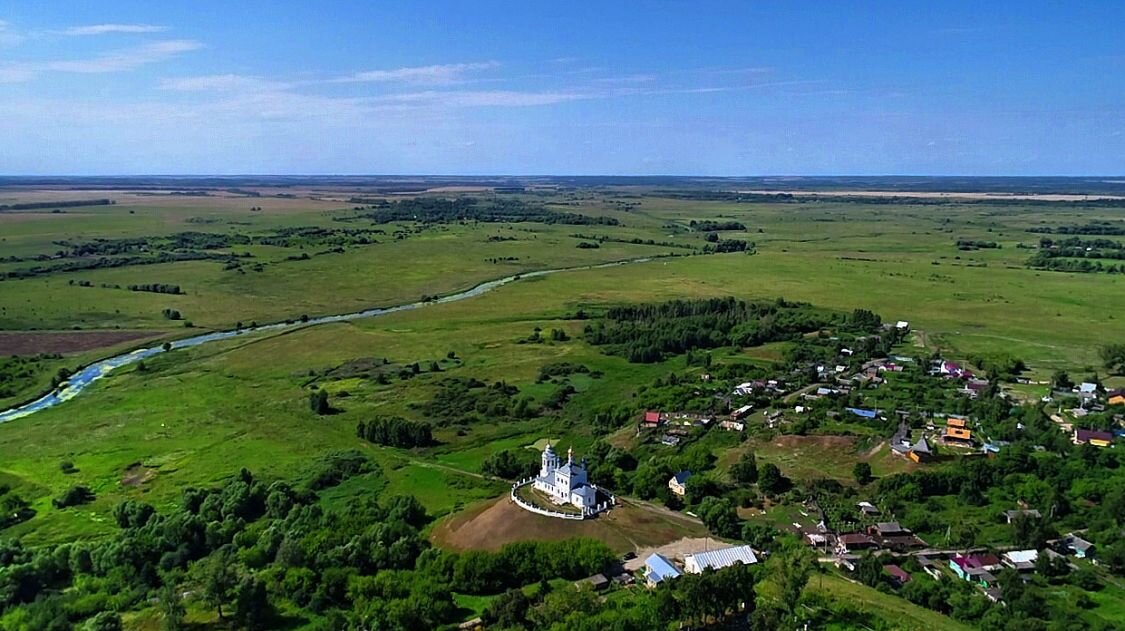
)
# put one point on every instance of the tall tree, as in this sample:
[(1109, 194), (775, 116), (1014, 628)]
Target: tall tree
[(219, 578)]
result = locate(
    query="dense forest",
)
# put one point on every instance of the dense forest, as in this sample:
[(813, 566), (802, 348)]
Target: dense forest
[(437, 210), (649, 333), (67, 204), (1094, 228), (268, 554)]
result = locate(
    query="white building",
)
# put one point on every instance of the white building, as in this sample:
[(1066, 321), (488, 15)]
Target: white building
[(718, 559), (565, 484)]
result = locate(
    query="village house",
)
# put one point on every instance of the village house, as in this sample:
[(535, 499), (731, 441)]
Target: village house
[(898, 575), (920, 452), (890, 534), (867, 508), (1077, 545), (1116, 397), (957, 432), (734, 426), (953, 370), (719, 559), (862, 413), (975, 567), (565, 484), (678, 483), (821, 541), (854, 541), (659, 569), (1021, 560), (1093, 437), (596, 582), (651, 418), (741, 412), (1012, 515)]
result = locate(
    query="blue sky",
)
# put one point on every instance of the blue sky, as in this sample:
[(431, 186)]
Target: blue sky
[(707, 88)]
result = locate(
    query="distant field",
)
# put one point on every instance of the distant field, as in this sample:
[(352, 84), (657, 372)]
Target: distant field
[(196, 417)]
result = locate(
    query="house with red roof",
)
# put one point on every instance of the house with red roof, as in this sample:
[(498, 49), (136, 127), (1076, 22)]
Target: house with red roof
[(898, 575)]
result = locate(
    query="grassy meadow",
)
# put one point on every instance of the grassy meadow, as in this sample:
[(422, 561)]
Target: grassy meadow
[(196, 417)]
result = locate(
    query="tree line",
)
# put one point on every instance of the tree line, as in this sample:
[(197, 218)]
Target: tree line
[(498, 210), (395, 431)]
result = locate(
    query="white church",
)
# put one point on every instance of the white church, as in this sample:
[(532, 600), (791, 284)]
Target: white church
[(566, 484)]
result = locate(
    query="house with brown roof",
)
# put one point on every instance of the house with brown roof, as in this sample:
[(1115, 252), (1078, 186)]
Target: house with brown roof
[(898, 575), (855, 541), (1092, 437)]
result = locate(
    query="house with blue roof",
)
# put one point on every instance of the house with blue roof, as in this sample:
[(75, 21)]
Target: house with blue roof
[(862, 413), (659, 569), (678, 483)]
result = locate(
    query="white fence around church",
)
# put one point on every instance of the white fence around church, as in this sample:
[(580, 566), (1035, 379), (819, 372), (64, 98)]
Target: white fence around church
[(586, 512)]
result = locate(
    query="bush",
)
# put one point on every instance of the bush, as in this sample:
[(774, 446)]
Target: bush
[(74, 496)]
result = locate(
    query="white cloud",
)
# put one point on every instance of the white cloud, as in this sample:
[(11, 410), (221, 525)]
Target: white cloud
[(485, 98), (221, 83), (427, 75), (126, 59), (8, 37), (105, 29)]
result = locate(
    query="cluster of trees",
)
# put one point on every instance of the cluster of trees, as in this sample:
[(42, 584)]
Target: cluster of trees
[(1094, 228), (601, 238), (104, 262), (395, 431), (970, 244), (724, 246), (157, 288), (68, 204), (716, 226), (461, 400), (13, 508), (171, 314), (1113, 358), (74, 496), (649, 333), (318, 402), (1047, 243), (588, 245), (511, 464), (19, 372), (497, 210), (300, 236), (1078, 260), (211, 546), (553, 370)]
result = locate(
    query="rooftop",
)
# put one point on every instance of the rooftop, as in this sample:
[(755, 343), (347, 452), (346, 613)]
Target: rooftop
[(724, 558), (658, 568)]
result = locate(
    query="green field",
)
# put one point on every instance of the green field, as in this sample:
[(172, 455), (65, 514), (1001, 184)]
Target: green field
[(195, 417)]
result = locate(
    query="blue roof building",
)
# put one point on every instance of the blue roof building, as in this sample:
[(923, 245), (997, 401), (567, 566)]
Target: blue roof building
[(658, 569), (862, 413)]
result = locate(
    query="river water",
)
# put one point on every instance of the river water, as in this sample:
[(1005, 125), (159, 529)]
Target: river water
[(82, 379)]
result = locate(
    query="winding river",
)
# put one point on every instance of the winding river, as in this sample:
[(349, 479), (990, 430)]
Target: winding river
[(83, 378)]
